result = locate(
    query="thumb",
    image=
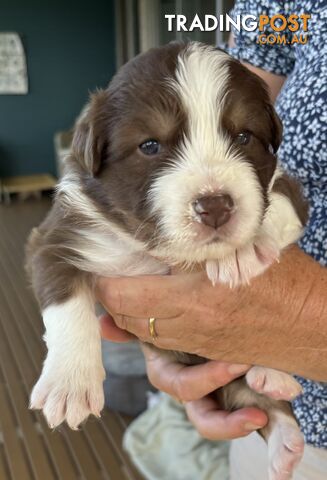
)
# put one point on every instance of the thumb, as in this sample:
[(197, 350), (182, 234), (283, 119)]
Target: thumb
[(110, 331)]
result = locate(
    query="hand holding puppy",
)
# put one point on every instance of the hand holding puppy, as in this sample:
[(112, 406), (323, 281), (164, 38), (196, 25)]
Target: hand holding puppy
[(228, 324)]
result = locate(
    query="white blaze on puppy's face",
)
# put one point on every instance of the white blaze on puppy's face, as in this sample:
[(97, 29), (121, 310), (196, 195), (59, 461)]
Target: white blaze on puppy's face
[(205, 165)]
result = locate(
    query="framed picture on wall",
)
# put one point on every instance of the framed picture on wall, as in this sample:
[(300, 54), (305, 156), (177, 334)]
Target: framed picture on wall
[(13, 69)]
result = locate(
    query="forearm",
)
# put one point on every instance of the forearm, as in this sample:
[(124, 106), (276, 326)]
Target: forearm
[(295, 292), (290, 328)]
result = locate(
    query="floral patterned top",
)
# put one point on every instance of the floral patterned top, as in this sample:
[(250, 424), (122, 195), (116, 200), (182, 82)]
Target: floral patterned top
[(301, 105)]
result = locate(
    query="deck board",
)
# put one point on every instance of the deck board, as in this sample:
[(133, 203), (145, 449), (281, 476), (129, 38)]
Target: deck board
[(29, 450)]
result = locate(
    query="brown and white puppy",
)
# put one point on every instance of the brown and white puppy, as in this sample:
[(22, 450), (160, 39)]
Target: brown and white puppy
[(174, 163)]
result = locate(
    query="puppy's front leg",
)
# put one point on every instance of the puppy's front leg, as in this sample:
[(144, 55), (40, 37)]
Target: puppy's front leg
[(70, 386)]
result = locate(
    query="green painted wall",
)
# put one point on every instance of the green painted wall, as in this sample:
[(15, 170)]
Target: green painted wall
[(70, 51)]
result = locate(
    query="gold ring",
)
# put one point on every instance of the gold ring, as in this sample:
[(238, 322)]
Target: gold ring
[(152, 328)]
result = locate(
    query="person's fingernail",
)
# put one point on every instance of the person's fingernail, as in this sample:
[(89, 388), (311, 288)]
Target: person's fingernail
[(237, 369), (250, 427)]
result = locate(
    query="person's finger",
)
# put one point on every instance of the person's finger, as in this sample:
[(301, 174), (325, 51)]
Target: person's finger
[(215, 424), (110, 331), (143, 297), (138, 327), (169, 334), (168, 331), (185, 382)]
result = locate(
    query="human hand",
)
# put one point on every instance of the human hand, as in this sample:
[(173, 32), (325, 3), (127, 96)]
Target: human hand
[(193, 385), (191, 315), (265, 323)]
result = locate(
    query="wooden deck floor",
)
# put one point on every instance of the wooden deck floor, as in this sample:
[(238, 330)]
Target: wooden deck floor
[(29, 450)]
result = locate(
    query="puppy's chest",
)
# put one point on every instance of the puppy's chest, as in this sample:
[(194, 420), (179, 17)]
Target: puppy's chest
[(108, 254)]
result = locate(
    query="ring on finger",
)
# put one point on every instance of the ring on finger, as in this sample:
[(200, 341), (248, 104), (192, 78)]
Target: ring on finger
[(152, 328)]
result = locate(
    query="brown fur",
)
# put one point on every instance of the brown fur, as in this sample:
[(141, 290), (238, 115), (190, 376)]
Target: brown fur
[(248, 108), (54, 279)]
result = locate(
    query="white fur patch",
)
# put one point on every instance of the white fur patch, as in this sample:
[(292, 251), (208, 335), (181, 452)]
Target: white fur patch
[(202, 76), (281, 222)]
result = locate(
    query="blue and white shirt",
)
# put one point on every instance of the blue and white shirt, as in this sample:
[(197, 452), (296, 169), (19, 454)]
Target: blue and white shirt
[(301, 106)]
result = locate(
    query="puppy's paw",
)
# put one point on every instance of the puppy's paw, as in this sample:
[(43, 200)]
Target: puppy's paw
[(69, 395), (245, 263), (285, 449), (273, 383)]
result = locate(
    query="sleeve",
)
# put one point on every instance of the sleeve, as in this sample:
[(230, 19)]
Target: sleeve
[(275, 58)]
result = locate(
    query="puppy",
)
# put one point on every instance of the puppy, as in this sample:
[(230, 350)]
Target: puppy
[(173, 164)]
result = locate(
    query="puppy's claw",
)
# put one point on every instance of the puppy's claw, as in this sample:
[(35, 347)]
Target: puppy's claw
[(61, 398)]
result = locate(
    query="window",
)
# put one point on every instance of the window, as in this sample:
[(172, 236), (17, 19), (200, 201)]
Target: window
[(141, 24)]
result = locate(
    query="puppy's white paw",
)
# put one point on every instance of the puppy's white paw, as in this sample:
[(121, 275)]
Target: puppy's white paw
[(273, 383), (245, 263), (69, 395), (285, 449)]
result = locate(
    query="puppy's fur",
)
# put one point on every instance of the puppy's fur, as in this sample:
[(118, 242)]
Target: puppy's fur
[(120, 211)]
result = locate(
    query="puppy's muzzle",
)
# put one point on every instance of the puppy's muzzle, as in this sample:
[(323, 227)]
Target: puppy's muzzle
[(214, 211)]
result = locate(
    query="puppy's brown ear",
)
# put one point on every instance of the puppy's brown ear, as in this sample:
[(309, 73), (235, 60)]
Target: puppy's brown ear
[(276, 128), (91, 133)]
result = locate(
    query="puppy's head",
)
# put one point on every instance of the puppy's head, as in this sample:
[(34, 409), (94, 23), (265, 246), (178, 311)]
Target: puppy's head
[(179, 151)]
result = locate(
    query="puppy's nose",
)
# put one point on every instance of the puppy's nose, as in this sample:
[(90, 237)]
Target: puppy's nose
[(214, 211)]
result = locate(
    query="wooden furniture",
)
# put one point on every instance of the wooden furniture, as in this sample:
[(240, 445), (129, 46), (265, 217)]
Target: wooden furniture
[(26, 185)]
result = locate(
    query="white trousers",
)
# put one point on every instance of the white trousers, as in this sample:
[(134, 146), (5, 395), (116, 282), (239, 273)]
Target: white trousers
[(248, 461)]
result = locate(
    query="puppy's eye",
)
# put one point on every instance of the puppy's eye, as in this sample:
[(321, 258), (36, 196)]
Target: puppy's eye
[(243, 138), (150, 147)]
